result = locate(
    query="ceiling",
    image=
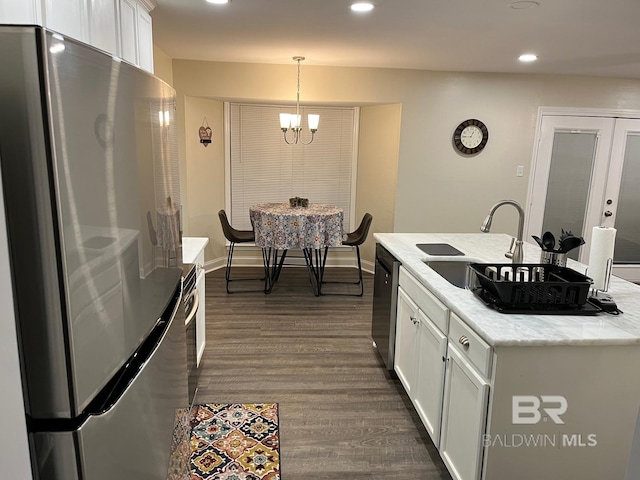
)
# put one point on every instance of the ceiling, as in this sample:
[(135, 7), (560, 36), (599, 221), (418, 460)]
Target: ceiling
[(582, 37)]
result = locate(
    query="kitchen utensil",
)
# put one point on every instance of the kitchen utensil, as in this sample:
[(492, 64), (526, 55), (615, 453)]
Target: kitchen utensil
[(569, 243), (548, 241), (538, 241), (554, 258), (565, 233)]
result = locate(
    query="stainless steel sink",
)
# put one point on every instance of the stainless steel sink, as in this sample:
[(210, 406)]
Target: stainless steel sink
[(453, 271)]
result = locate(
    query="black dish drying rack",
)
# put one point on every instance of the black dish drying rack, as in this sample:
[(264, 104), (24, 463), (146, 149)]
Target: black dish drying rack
[(531, 288)]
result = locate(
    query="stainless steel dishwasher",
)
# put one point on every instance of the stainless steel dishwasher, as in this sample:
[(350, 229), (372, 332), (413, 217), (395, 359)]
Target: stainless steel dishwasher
[(385, 296)]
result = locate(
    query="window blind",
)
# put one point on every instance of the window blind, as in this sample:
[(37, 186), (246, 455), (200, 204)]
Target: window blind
[(264, 169)]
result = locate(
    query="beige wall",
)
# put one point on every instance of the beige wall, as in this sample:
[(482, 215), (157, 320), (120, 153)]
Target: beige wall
[(203, 172), (162, 66), (437, 189), (377, 169)]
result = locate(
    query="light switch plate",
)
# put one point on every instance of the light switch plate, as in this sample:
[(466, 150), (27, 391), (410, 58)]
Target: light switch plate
[(520, 171)]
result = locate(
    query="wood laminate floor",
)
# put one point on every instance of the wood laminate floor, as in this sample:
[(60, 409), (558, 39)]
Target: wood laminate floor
[(341, 415)]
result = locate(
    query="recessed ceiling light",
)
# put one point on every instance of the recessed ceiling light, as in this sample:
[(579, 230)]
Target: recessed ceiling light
[(523, 5), (218, 2), (361, 7), (528, 57)]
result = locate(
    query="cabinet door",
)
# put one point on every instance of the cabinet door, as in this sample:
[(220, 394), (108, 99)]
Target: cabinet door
[(464, 417), (128, 35), (429, 386), (407, 325), (20, 12), (67, 17), (144, 38), (102, 25)]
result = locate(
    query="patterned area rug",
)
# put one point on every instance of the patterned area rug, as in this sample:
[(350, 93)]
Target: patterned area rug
[(236, 441)]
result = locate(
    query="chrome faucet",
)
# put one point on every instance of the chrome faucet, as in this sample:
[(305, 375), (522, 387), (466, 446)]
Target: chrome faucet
[(515, 250)]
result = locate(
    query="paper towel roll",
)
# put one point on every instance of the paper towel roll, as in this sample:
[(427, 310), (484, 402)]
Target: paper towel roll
[(602, 244)]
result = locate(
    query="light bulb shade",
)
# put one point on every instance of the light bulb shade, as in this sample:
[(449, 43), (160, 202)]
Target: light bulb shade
[(313, 121), (295, 121), (285, 121)]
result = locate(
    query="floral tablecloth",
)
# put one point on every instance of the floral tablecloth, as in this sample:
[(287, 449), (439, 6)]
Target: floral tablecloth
[(278, 225)]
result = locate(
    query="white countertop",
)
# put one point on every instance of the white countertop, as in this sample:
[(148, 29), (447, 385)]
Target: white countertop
[(191, 248), (500, 329)]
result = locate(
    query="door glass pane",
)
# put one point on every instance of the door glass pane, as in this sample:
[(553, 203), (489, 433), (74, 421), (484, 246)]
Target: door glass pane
[(627, 249), (572, 160)]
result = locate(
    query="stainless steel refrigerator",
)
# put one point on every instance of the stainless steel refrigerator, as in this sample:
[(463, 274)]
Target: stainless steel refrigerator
[(88, 160)]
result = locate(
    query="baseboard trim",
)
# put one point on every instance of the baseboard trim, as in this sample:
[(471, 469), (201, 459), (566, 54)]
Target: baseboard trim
[(250, 261)]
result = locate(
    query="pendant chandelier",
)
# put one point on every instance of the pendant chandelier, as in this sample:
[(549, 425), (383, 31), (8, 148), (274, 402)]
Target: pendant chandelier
[(292, 122)]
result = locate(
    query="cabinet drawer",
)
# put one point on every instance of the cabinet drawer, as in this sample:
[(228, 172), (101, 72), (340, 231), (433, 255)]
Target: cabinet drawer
[(433, 308), (470, 345)]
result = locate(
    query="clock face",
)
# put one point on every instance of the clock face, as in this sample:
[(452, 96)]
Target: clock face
[(470, 137)]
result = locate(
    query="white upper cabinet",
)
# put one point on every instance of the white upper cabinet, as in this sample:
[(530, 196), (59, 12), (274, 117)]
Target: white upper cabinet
[(103, 24), (136, 35), (118, 27), (21, 12), (145, 38), (128, 35), (68, 17)]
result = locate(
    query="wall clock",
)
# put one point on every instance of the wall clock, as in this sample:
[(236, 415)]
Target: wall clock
[(470, 137)]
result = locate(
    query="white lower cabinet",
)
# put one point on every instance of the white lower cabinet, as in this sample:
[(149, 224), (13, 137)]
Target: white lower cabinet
[(464, 416), (407, 325), (193, 252), (427, 399), (467, 401), (443, 366)]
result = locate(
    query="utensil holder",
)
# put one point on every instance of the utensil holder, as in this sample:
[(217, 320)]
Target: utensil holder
[(554, 258)]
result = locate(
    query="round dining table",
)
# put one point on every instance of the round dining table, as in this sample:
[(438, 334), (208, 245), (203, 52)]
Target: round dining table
[(279, 227)]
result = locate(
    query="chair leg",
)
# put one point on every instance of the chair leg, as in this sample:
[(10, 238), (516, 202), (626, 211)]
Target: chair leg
[(227, 273), (359, 271), (359, 282)]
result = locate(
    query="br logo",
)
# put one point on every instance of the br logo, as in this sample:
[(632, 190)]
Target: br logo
[(526, 409)]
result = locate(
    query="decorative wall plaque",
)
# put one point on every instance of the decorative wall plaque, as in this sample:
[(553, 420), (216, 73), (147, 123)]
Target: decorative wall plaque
[(205, 133)]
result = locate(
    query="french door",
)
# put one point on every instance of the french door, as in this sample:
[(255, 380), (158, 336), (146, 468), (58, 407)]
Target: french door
[(587, 173)]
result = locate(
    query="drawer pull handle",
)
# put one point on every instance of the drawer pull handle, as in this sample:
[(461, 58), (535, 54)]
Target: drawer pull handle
[(464, 341), (414, 320)]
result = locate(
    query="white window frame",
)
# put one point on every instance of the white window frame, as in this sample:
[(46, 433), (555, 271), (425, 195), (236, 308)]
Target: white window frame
[(354, 165)]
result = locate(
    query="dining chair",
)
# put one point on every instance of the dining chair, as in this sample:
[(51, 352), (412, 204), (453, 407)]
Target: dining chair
[(353, 239), (235, 236)]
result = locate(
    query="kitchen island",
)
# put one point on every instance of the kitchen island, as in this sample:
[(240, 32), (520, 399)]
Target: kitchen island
[(510, 395)]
